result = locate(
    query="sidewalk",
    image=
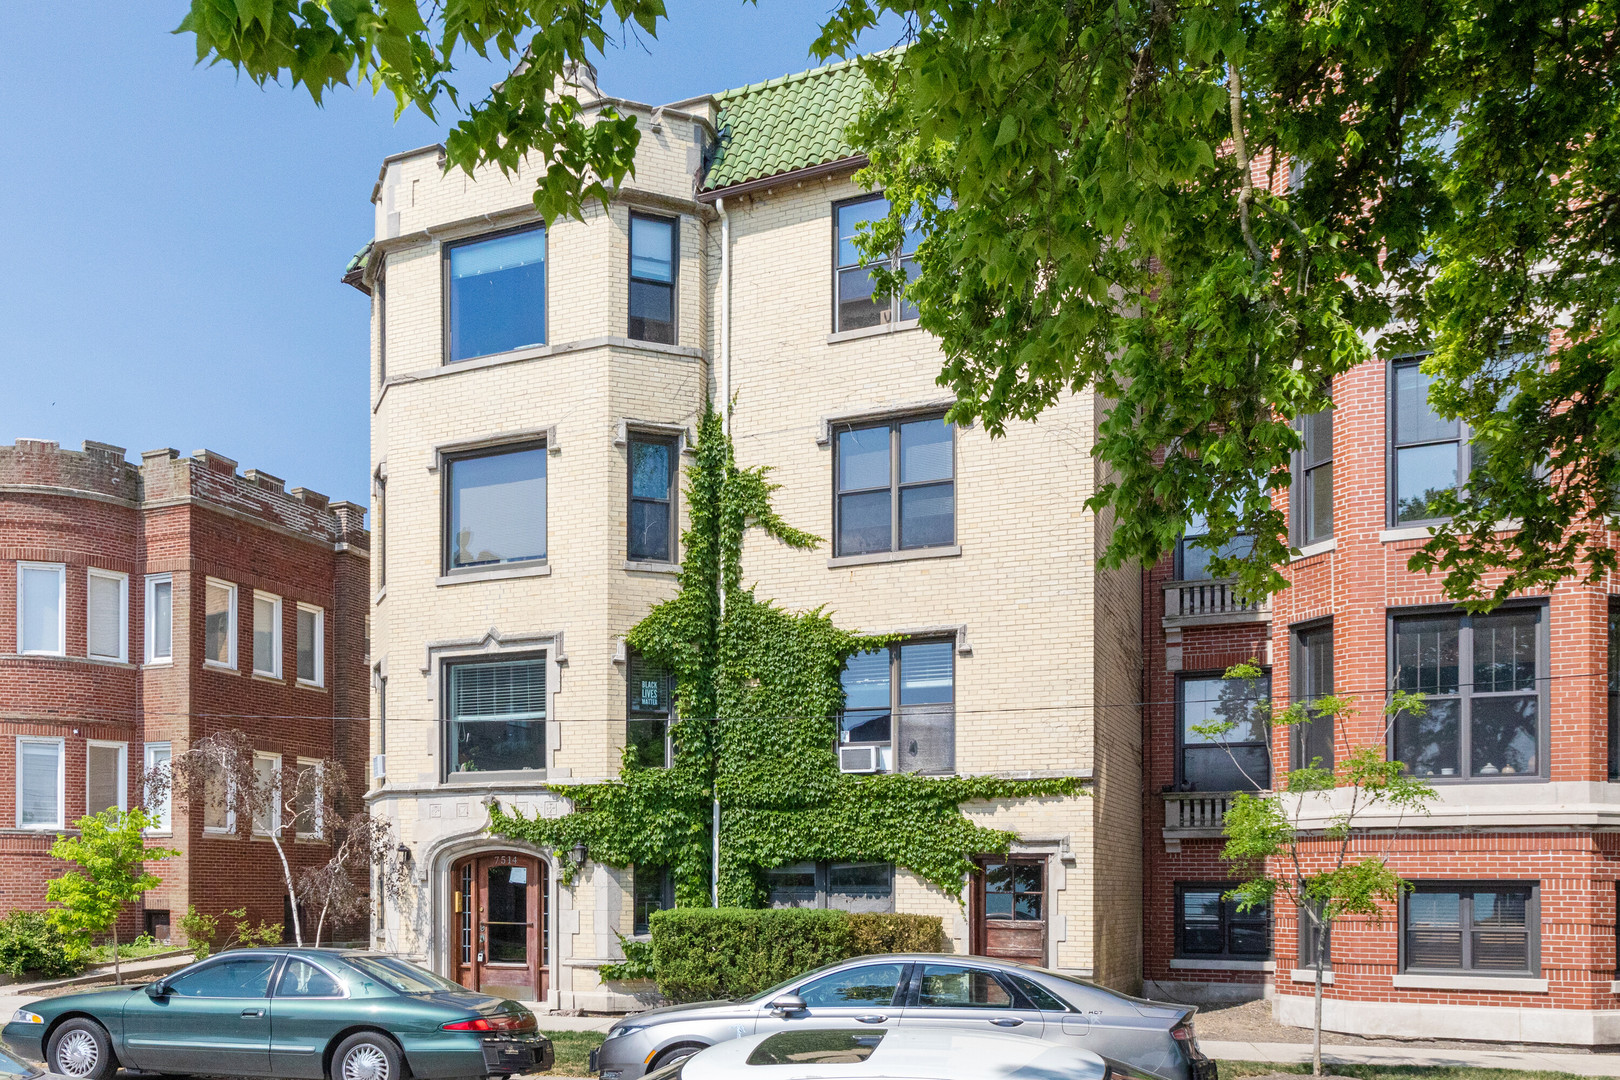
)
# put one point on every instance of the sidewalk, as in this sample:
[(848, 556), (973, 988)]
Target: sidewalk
[(558, 1022), (1535, 1060)]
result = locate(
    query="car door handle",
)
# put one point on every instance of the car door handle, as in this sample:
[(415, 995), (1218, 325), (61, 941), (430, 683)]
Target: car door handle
[(252, 1012), (873, 1019), (1009, 1021)]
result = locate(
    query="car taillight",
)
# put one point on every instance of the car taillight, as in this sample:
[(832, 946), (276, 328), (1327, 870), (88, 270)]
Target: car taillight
[(492, 1023), (1182, 1033)]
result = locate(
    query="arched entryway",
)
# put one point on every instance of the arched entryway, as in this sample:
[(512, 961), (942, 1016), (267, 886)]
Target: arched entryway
[(500, 942)]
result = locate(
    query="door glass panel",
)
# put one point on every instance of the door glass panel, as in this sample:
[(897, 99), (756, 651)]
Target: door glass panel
[(507, 923), (301, 979), (873, 984), (246, 976), (961, 988)]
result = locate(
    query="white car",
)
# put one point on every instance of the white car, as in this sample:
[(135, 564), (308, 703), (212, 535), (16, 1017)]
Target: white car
[(893, 1054)]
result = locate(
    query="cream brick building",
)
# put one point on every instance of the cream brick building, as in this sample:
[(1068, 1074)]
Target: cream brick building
[(514, 372)]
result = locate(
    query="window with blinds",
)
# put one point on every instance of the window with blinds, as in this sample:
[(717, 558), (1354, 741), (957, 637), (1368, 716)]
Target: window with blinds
[(497, 716), (902, 701), (39, 783), (107, 599), (104, 777)]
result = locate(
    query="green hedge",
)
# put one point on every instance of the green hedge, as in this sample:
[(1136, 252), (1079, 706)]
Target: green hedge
[(699, 954)]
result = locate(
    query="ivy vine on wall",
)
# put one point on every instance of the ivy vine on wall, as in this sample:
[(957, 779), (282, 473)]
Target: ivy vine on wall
[(772, 676)]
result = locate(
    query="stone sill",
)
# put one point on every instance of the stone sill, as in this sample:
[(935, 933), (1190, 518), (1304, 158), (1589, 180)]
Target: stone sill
[(879, 330), (1223, 965), (1231, 618), (1321, 547), (877, 557), (1511, 983), (652, 567), (1405, 532), (536, 568), (1308, 975)]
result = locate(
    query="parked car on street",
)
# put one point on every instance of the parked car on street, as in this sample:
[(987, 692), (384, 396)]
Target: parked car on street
[(924, 992), (15, 1068), (899, 1054), (320, 1014)]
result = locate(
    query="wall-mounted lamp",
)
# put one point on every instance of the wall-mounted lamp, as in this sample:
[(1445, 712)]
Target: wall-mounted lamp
[(579, 855), (404, 853)]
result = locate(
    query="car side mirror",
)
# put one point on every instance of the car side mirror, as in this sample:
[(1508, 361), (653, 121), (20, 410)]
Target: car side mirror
[(788, 1003), (157, 988)]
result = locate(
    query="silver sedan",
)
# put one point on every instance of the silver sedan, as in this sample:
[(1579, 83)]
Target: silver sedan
[(920, 992)]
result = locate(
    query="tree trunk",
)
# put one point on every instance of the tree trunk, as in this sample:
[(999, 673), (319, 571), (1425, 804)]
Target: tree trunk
[(320, 923), (292, 892), (118, 974), (1317, 933)]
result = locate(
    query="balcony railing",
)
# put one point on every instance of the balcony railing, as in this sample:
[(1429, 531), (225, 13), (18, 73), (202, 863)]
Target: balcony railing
[(1209, 603), (1194, 815)]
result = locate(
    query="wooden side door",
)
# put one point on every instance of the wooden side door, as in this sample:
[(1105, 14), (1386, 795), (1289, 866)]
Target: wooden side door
[(1009, 908), (498, 925)]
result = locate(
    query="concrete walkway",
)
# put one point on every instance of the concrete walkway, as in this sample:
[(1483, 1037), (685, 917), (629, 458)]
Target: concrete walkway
[(1535, 1060), (559, 1022)]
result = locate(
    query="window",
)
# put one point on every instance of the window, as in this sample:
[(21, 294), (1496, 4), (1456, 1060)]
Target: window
[(945, 986), (1427, 451), (107, 615), (106, 771), (40, 783), (652, 891), (219, 802), (654, 256), (159, 619), (41, 609), (1487, 927), (1014, 890), (896, 487), (1210, 927), (497, 716), (497, 293), (873, 984), (1240, 760), (379, 520), (311, 645), (652, 498), (1313, 678), (651, 709), (159, 798), (901, 701), (1313, 480), (848, 886), (267, 635), (228, 977), (1307, 942), (497, 508), (309, 799), (1614, 688), (302, 979), (267, 781), (1482, 720), (1193, 559), (219, 624), (857, 305)]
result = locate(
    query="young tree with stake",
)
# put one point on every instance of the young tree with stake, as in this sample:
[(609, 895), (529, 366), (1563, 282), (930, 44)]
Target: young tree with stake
[(1298, 843), (111, 850)]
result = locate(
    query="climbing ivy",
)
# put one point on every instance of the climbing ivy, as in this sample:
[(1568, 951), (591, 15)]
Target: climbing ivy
[(773, 678)]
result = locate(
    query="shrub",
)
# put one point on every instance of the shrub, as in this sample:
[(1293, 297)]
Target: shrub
[(202, 932), (704, 953), (31, 945)]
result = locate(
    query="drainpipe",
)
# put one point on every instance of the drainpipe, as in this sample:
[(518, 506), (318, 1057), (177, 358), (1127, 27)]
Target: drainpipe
[(725, 428)]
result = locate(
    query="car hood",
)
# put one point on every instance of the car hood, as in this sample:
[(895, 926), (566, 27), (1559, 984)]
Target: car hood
[(89, 1000), (679, 1012)]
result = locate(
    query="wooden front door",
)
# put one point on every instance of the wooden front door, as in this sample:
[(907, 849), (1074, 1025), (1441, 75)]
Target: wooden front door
[(1009, 910), (498, 926)]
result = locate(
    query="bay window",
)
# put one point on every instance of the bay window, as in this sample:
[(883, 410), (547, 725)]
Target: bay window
[(495, 510), (495, 290)]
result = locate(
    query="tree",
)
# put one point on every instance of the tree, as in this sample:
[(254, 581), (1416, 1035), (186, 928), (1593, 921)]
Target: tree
[(1298, 844), (112, 853), (247, 793), (335, 889), (1201, 209)]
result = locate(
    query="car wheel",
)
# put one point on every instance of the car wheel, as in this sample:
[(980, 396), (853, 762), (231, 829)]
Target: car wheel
[(367, 1056), (673, 1054), (81, 1048)]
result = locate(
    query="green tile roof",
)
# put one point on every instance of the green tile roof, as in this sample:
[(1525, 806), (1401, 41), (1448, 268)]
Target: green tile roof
[(793, 122)]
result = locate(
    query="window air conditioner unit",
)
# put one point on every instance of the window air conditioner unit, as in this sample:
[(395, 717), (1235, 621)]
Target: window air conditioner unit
[(379, 766), (858, 759)]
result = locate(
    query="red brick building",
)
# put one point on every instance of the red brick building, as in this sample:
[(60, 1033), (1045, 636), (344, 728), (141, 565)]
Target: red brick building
[(1510, 931), (145, 606)]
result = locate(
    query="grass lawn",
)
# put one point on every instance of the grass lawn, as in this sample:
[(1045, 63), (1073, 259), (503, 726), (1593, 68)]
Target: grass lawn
[(1235, 1070), (573, 1050)]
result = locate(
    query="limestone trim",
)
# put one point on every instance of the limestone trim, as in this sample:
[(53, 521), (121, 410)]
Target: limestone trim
[(877, 558), (546, 434), (66, 493), (890, 411), (1184, 964), (530, 568), (873, 331), (1509, 983), (1490, 1023), (1308, 975), (627, 426), (1321, 547)]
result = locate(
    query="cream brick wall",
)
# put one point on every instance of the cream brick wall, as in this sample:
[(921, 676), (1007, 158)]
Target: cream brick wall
[(1047, 665)]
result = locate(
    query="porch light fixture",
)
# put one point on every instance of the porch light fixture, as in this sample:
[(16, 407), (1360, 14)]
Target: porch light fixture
[(579, 855), (403, 852)]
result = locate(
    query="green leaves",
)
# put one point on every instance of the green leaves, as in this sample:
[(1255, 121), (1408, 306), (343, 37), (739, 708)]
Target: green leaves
[(111, 852)]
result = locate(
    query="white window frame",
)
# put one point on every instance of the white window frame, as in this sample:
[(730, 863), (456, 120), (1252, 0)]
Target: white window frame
[(61, 608), (123, 771), (230, 630), (320, 645), (61, 780), (229, 828), (165, 822), (122, 656), (275, 804), (152, 582), (320, 801), (274, 671)]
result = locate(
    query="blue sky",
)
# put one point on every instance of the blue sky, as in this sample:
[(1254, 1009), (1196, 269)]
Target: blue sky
[(175, 235)]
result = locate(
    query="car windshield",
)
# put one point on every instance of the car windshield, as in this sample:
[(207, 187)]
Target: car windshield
[(766, 995), (10, 1066), (402, 977)]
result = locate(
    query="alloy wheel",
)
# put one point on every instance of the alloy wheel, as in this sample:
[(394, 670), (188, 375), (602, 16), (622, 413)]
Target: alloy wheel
[(77, 1054), (365, 1062)]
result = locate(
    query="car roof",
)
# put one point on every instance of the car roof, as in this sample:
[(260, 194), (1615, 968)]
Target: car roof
[(935, 1053)]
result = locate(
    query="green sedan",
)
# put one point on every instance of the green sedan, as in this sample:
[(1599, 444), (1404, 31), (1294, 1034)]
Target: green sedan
[(320, 1014)]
